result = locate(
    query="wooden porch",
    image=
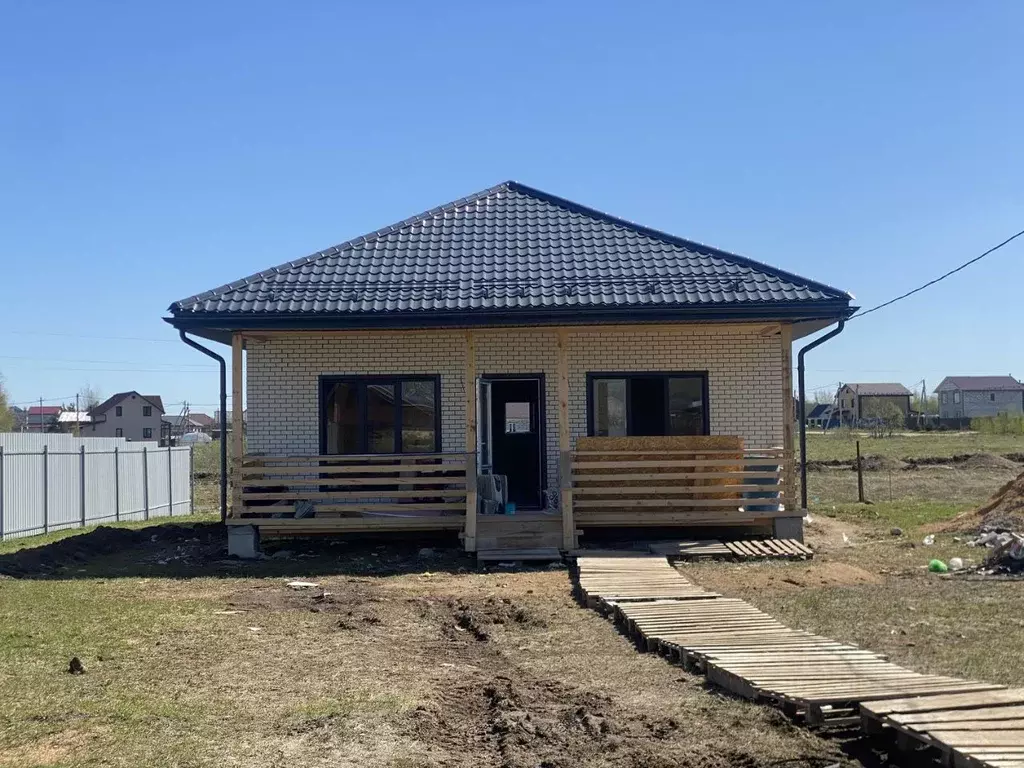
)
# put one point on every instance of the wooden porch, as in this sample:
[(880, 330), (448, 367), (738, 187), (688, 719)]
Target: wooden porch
[(695, 482), (692, 488)]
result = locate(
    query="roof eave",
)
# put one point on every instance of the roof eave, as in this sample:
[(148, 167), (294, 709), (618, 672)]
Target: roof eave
[(219, 326)]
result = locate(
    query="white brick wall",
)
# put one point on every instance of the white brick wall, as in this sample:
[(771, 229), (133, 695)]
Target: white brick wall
[(744, 370)]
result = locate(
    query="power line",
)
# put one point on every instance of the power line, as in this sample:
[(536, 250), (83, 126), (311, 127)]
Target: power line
[(87, 336), (966, 264), (103, 362)]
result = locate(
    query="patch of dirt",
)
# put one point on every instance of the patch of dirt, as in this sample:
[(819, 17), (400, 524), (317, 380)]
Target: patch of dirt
[(1004, 511), (880, 464), (756, 577), (524, 722), (990, 461), (184, 545), (827, 534), (877, 463)]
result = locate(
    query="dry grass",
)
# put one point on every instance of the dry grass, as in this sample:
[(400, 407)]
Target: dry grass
[(841, 445), (387, 671)]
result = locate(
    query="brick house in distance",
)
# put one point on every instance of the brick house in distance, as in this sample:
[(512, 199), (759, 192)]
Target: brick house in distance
[(857, 402), (128, 415), (392, 381), (968, 397)]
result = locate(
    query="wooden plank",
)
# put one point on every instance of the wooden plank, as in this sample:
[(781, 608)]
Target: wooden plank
[(1003, 696), (689, 490), (767, 453), (390, 469), (674, 463), (410, 507), (967, 739), (327, 524), (955, 715), (324, 495), (698, 503), (435, 481), (341, 458), (788, 417), (565, 487), (236, 423), (644, 476)]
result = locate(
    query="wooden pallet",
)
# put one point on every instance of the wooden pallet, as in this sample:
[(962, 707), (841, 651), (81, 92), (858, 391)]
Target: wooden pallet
[(757, 549), (748, 652), (966, 730), (689, 549), (515, 555)]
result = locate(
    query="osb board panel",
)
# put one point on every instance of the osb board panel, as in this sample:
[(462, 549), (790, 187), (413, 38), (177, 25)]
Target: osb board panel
[(653, 449)]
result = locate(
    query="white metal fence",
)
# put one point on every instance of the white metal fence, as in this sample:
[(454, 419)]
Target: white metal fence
[(52, 482)]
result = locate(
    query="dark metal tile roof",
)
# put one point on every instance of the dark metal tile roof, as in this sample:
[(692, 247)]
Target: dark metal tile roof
[(508, 249), (980, 384), (880, 389)]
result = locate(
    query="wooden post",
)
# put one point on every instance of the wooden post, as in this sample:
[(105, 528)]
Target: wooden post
[(236, 425), (860, 477), (469, 535), (564, 450), (788, 484)]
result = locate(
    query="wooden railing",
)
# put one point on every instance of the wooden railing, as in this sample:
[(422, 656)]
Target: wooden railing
[(386, 487), (677, 487)]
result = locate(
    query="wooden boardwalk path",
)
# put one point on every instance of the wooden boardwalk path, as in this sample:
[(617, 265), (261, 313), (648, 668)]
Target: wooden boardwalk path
[(751, 654)]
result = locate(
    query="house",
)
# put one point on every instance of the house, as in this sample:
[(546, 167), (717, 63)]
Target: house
[(43, 418), (393, 380), (818, 414), (73, 422), (185, 423), (128, 415), (860, 402), (968, 397)]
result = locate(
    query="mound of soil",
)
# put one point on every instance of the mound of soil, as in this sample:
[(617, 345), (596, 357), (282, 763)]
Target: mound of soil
[(990, 461), (158, 543), (880, 464), (1004, 511)]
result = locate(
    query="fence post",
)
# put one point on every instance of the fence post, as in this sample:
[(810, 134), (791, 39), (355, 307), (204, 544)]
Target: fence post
[(860, 476), (145, 481), (81, 483), (170, 481), (191, 480), (117, 485), (46, 512), (1, 493)]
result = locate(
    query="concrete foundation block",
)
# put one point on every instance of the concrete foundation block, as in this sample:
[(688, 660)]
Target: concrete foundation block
[(244, 541), (788, 528)]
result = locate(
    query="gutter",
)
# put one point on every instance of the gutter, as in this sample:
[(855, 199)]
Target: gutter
[(802, 406), (223, 421)]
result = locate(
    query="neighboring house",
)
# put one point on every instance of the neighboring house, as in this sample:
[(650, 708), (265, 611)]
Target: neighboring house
[(183, 424), (496, 332), (861, 402), (73, 422), (817, 415), (43, 418), (128, 415), (968, 397)]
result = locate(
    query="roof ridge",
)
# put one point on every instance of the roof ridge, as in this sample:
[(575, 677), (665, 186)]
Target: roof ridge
[(335, 249)]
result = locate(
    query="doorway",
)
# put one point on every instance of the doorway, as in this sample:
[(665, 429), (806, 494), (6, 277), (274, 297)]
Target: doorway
[(512, 435)]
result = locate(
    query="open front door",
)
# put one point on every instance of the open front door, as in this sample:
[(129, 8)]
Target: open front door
[(484, 432)]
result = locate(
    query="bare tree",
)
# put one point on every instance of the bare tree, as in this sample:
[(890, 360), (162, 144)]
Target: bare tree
[(6, 417), (89, 397)]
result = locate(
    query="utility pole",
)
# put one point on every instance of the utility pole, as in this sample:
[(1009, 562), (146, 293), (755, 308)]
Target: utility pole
[(40, 415), (78, 428)]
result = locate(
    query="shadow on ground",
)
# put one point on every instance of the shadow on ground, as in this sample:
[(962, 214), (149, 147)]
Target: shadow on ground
[(200, 551)]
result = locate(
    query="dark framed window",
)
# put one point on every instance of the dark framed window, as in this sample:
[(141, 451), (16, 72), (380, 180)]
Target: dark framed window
[(380, 414), (634, 403), (118, 432), (118, 411), (147, 410), (147, 433)]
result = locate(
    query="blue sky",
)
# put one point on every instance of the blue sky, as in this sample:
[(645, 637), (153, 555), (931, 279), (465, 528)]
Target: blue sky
[(150, 152)]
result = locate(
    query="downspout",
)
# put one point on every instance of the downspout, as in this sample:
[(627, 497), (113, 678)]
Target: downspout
[(802, 406), (224, 421)]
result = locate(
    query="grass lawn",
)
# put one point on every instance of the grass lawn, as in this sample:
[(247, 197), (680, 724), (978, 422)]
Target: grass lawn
[(841, 444), (410, 660)]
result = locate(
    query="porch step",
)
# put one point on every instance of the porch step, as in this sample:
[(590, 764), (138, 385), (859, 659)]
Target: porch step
[(487, 540), (510, 555)]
